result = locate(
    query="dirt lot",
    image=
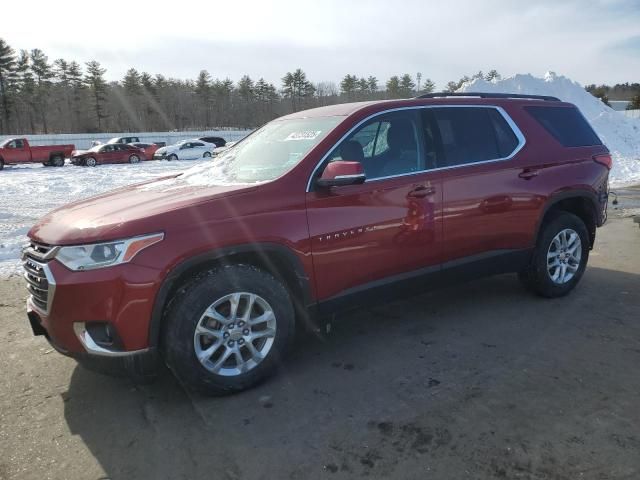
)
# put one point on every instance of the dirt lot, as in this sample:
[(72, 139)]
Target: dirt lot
[(479, 381)]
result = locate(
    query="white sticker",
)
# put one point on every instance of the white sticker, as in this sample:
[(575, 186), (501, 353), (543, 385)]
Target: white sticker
[(308, 135)]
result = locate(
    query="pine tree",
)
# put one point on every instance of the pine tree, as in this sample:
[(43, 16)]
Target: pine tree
[(348, 86), (493, 75), (26, 88), (43, 73), (428, 86), (7, 76), (407, 86), (95, 82), (373, 85), (393, 87)]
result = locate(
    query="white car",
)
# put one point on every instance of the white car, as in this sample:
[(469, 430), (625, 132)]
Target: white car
[(184, 150)]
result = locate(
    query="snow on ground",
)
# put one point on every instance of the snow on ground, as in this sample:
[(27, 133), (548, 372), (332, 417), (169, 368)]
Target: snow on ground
[(618, 132), (30, 191)]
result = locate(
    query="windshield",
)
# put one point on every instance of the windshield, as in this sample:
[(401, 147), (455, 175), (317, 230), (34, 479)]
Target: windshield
[(95, 148), (266, 154)]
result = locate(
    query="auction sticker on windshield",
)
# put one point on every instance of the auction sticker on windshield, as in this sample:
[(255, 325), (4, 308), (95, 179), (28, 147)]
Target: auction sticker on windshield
[(308, 135)]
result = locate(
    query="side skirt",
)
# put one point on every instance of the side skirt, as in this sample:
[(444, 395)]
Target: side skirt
[(419, 281)]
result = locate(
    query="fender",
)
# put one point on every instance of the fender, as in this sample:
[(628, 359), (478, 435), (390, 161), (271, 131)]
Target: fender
[(555, 198), (266, 251)]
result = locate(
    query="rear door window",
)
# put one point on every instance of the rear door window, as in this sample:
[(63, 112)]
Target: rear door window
[(473, 134), (565, 124)]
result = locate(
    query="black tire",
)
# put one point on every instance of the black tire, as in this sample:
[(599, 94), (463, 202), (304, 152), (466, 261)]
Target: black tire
[(1, 164), (173, 156), (90, 162), (46, 164), (134, 159), (187, 308), (206, 155), (57, 161), (536, 276)]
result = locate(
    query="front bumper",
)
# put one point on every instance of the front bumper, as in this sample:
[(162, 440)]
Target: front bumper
[(118, 300)]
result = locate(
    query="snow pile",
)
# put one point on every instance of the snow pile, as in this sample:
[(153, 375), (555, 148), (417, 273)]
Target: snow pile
[(621, 134)]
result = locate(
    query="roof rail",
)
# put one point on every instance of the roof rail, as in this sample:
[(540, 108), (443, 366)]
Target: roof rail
[(489, 95)]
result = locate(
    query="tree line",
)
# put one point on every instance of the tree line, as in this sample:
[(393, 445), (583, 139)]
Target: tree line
[(620, 91), (61, 96)]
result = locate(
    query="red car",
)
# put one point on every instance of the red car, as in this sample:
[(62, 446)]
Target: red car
[(18, 150), (108, 153), (213, 270), (147, 148)]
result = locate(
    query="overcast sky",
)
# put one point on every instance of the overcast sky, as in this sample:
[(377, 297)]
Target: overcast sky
[(589, 41)]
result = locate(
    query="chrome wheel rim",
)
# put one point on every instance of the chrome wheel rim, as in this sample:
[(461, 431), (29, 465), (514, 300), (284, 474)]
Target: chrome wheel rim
[(134, 159), (91, 162), (564, 256), (235, 334)]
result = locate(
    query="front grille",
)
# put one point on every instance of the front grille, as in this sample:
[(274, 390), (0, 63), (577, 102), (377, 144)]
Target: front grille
[(40, 282)]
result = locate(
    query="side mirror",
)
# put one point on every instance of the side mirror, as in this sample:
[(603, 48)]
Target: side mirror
[(341, 173)]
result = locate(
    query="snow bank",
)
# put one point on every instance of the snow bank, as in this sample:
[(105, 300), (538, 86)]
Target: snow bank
[(620, 133)]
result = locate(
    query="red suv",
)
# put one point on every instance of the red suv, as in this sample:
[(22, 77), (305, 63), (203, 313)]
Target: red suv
[(212, 270)]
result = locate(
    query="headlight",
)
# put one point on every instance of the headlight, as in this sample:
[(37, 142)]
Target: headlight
[(100, 255)]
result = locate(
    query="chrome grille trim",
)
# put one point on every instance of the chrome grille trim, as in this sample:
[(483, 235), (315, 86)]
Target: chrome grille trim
[(40, 282)]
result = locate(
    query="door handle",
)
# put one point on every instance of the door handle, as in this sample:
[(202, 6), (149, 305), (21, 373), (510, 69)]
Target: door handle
[(421, 192), (528, 174)]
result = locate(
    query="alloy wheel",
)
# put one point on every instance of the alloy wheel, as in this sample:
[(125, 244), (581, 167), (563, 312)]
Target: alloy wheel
[(564, 256), (235, 333)]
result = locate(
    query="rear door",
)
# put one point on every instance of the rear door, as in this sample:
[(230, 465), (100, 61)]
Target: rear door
[(488, 202), (198, 149), (370, 235)]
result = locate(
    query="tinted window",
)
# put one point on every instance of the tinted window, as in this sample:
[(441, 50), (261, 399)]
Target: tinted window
[(566, 124), (197, 144), (387, 145), (471, 134)]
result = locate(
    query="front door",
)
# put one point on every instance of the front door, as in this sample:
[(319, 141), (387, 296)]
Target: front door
[(366, 235), (20, 153)]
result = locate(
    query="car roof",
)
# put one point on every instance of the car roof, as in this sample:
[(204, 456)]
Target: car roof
[(347, 109)]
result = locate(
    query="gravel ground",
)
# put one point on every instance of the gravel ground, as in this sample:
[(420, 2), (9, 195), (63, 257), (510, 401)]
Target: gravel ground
[(482, 380)]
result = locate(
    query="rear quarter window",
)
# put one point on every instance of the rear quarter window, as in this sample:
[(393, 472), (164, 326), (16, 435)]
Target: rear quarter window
[(565, 124)]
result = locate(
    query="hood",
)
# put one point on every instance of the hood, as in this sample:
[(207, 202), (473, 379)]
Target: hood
[(126, 212)]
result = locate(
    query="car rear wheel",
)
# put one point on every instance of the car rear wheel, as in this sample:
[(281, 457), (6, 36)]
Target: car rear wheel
[(90, 162), (206, 155), (134, 159), (228, 329), (57, 161), (560, 257), (173, 156), (1, 164)]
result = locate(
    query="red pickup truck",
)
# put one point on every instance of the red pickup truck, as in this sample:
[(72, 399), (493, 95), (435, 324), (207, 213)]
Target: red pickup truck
[(18, 150)]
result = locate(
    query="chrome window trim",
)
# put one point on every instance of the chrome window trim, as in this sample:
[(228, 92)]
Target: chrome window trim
[(514, 128)]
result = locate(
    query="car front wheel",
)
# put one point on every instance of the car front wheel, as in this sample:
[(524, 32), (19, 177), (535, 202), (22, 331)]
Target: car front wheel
[(90, 162), (173, 156), (228, 329), (560, 257)]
